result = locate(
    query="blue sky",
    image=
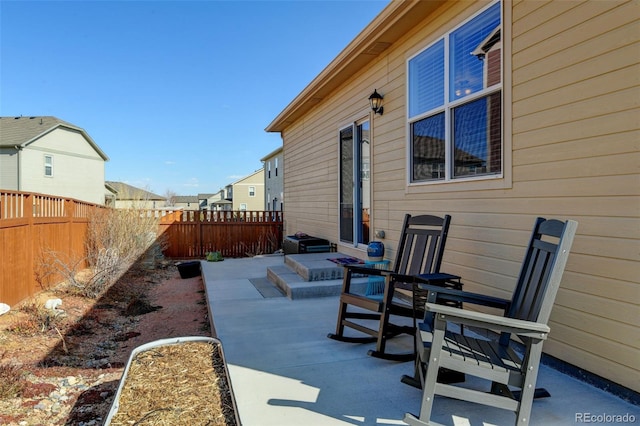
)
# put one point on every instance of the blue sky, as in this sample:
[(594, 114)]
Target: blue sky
[(176, 93)]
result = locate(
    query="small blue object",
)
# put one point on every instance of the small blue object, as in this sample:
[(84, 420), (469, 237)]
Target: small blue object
[(375, 250), (375, 283)]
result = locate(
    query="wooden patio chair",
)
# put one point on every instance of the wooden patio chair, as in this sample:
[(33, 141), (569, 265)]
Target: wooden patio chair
[(495, 359), (420, 251)]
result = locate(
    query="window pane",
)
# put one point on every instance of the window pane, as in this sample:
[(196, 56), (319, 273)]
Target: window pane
[(364, 194), (48, 165), (426, 80), (467, 72), (346, 184), (428, 148), (477, 137)]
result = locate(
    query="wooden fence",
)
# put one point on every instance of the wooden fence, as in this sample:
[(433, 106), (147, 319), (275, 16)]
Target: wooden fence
[(33, 224), (30, 225), (192, 234)]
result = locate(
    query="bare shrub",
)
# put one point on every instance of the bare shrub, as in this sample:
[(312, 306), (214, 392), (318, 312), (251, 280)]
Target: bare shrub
[(116, 239), (267, 243)]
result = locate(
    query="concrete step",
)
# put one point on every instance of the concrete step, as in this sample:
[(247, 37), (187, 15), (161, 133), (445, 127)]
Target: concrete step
[(311, 275), (315, 266)]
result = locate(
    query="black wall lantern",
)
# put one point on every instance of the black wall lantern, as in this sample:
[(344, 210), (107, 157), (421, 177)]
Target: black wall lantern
[(375, 100)]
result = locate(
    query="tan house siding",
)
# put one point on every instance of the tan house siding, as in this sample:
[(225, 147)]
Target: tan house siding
[(241, 192), (575, 146), (571, 150)]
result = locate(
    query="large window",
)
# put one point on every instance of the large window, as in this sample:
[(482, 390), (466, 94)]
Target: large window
[(455, 102)]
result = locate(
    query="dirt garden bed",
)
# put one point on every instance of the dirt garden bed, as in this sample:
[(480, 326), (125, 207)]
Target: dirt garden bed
[(65, 368)]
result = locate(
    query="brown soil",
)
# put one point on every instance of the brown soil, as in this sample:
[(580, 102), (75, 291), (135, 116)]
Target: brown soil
[(68, 367)]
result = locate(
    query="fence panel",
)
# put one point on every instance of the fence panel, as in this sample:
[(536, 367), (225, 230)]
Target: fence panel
[(31, 225), (192, 234)]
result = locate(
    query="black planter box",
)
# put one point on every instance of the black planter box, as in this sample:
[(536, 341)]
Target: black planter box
[(294, 244), (189, 269)]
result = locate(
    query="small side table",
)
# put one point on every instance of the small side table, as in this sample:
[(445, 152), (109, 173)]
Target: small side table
[(375, 283)]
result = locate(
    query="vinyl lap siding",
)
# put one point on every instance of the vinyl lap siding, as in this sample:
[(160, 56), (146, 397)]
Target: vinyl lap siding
[(571, 151), (8, 169), (575, 151), (310, 200)]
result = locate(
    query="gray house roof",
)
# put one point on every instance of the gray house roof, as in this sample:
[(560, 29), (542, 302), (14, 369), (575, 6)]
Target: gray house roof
[(128, 192), (205, 196), (21, 131), (186, 199)]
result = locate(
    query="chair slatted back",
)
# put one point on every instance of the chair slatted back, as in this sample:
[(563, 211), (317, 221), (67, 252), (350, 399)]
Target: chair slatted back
[(421, 244), (542, 269)]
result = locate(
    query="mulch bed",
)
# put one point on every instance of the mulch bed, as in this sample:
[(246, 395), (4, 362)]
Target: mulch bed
[(182, 383)]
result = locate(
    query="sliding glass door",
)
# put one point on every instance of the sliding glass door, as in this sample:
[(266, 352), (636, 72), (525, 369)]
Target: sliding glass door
[(355, 183)]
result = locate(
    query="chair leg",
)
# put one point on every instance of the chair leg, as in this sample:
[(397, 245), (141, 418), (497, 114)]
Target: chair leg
[(429, 388), (532, 363), (343, 314), (415, 380)]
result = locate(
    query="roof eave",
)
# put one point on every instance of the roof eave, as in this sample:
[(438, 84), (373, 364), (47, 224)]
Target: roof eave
[(68, 126), (389, 26)]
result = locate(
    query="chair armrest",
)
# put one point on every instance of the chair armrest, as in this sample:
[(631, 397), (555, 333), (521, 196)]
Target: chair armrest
[(488, 321), (360, 269), (450, 294), (435, 278)]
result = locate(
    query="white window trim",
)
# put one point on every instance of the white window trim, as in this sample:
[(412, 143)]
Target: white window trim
[(353, 122), (48, 165), (497, 181)]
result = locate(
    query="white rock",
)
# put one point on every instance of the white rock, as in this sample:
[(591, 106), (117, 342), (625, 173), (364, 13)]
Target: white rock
[(53, 304), (4, 308)]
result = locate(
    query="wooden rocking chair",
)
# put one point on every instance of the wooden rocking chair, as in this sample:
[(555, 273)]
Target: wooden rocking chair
[(420, 251), (494, 359)]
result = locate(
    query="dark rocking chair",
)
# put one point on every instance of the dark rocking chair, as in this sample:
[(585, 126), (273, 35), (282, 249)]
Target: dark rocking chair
[(420, 251)]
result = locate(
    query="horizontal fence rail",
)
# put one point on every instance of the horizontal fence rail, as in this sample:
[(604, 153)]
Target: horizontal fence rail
[(32, 224)]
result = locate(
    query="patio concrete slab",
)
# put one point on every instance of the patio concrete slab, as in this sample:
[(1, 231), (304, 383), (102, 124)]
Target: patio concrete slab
[(285, 371)]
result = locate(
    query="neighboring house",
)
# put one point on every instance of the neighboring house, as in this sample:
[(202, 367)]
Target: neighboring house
[(247, 193), (273, 181), (127, 197), (49, 156), (215, 202), (494, 113), (204, 200), (186, 202)]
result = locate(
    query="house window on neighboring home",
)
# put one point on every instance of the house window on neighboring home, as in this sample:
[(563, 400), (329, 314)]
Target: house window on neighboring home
[(252, 191), (243, 207), (48, 165), (269, 169), (276, 160), (455, 102)]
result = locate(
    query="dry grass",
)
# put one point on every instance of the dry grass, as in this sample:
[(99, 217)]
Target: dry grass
[(11, 379), (37, 319)]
